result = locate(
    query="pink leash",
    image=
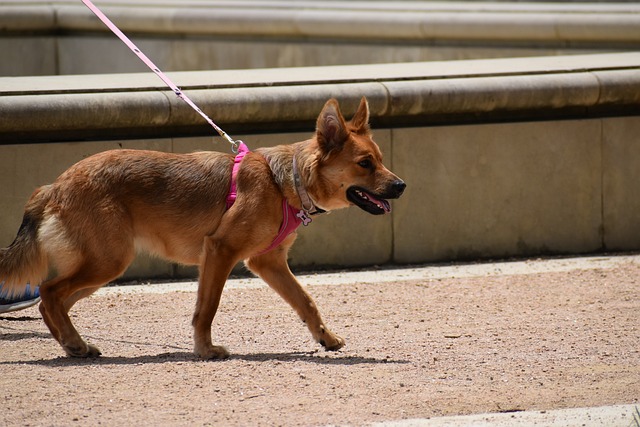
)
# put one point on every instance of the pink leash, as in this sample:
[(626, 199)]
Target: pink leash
[(155, 69)]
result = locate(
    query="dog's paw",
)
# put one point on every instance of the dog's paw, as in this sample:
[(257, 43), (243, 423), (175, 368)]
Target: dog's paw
[(93, 351), (212, 352), (83, 350), (331, 341)]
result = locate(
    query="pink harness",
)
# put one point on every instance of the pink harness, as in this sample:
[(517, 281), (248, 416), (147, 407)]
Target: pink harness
[(291, 217)]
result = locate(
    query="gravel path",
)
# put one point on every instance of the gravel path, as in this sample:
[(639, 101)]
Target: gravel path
[(421, 343)]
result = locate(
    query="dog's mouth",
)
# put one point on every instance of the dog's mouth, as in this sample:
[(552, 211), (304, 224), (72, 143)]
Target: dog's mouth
[(366, 201)]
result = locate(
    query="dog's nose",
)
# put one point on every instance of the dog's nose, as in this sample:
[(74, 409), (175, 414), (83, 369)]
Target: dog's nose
[(398, 187)]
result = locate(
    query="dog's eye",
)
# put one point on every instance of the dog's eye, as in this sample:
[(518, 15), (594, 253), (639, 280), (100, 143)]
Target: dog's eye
[(366, 163)]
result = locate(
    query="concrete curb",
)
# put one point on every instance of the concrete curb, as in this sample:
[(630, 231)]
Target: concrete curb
[(435, 272)]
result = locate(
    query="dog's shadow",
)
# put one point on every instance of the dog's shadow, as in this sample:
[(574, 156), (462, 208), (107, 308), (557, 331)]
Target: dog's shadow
[(320, 358), (314, 357), (8, 333), (185, 356), (23, 336)]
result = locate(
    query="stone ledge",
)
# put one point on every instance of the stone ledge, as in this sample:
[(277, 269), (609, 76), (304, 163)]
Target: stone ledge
[(139, 105), (586, 22)]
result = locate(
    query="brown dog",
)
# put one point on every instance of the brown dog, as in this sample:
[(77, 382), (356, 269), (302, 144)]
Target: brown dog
[(89, 223)]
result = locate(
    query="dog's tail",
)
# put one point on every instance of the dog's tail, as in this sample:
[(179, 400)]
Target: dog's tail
[(24, 262)]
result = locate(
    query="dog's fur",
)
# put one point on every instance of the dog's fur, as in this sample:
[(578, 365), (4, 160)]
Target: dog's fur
[(89, 223)]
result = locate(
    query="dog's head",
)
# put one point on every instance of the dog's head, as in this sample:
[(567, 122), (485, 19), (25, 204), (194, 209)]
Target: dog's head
[(348, 168)]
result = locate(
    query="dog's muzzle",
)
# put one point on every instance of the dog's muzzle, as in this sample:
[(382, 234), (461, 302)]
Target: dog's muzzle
[(375, 204)]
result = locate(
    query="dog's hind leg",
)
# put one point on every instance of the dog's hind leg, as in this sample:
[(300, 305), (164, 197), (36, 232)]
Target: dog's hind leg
[(54, 293), (67, 306), (272, 267), (61, 293)]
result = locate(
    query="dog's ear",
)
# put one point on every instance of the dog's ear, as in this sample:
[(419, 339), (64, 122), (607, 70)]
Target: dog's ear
[(331, 129), (360, 120)]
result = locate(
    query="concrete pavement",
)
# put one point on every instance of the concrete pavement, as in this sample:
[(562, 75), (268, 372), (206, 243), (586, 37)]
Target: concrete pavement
[(604, 416)]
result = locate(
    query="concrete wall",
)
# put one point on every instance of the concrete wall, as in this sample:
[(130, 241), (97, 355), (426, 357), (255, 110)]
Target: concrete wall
[(502, 157), (63, 37), (474, 191)]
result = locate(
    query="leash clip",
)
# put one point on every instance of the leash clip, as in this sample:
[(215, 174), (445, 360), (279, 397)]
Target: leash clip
[(235, 145)]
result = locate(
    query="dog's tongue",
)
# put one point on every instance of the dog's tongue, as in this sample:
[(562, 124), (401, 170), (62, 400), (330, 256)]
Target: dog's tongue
[(386, 207)]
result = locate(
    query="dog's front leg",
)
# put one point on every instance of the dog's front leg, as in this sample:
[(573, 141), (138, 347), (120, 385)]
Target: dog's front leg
[(272, 267), (215, 267)]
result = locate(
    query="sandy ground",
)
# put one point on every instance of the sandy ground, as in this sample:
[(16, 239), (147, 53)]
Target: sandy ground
[(415, 349)]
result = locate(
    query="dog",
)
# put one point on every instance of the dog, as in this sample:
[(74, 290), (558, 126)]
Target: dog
[(88, 224)]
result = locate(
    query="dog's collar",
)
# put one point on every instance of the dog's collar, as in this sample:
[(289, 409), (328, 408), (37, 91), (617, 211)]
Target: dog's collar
[(307, 204)]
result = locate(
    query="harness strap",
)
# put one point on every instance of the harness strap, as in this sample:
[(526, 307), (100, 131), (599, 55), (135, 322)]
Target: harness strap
[(290, 221), (291, 217), (233, 193)]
